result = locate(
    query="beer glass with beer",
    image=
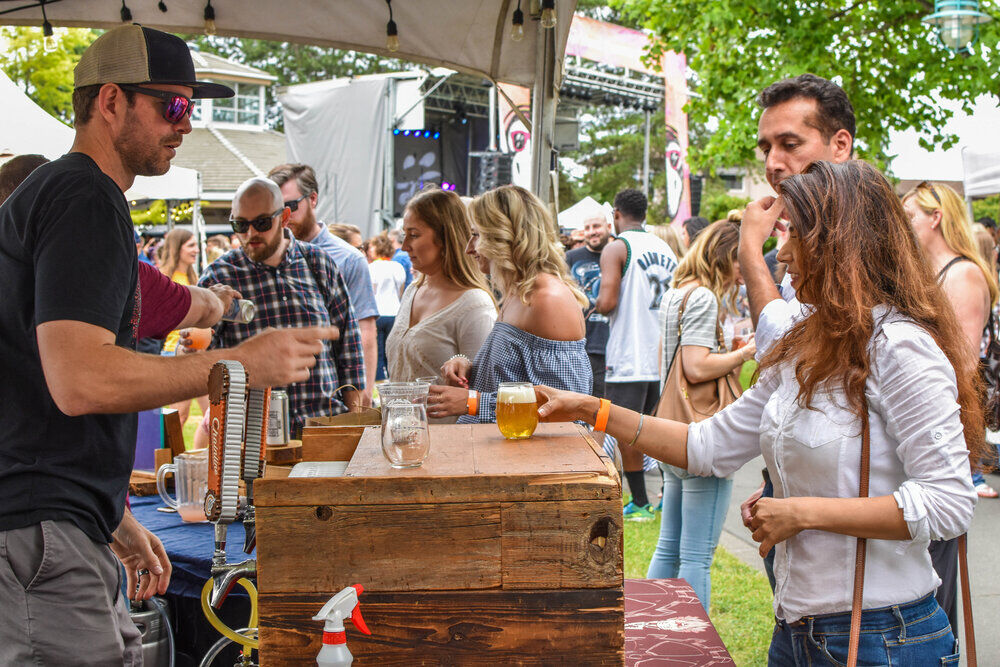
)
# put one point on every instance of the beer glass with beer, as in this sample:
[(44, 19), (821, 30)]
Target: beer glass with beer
[(517, 411)]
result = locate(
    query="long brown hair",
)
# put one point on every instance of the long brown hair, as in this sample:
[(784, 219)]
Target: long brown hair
[(445, 213), (858, 251), (711, 261), (172, 244)]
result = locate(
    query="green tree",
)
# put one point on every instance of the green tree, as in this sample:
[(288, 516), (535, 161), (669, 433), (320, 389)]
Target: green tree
[(294, 63), (890, 64), (47, 78)]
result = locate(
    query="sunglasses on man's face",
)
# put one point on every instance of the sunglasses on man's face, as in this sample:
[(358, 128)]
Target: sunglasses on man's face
[(176, 106), (261, 224), (293, 205)]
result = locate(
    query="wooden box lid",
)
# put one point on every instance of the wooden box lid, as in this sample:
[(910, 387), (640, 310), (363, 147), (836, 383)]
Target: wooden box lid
[(466, 463)]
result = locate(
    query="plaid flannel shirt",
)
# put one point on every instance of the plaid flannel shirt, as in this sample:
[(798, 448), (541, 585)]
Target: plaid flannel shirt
[(305, 289)]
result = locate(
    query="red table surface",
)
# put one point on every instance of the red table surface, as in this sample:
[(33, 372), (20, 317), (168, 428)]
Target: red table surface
[(665, 624)]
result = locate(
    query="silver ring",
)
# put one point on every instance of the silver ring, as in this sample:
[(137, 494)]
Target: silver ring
[(142, 572)]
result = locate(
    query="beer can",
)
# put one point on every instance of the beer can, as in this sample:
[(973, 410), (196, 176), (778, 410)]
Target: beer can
[(277, 418), (240, 311)]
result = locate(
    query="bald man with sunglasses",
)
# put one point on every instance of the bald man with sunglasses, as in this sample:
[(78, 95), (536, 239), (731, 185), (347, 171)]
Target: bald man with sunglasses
[(72, 381)]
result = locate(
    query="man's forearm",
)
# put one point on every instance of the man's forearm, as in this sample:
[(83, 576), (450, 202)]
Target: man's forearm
[(369, 349), (761, 289)]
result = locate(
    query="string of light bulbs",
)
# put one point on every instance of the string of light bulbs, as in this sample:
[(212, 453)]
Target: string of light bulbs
[(209, 14), (391, 32)]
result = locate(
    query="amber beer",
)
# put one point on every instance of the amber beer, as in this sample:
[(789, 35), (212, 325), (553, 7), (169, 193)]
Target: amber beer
[(517, 411)]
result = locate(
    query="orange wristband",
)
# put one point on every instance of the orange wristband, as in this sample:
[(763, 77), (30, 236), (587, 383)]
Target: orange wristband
[(473, 402), (601, 423)]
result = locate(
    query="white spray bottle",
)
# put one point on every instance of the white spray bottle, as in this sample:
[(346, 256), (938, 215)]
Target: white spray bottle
[(342, 605)]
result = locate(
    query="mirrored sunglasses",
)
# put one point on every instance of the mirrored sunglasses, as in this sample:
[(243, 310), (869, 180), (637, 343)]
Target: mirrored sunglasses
[(176, 106)]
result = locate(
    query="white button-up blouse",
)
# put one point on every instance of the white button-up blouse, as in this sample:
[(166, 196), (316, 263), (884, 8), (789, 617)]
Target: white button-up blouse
[(918, 454)]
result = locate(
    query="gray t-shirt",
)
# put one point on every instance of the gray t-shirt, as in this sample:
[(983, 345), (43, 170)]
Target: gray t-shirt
[(698, 327)]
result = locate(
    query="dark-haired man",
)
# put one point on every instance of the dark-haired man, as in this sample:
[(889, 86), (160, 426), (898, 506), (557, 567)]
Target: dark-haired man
[(690, 229), (71, 378), (636, 269)]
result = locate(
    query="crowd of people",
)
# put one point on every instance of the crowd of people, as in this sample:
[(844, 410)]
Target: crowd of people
[(867, 324)]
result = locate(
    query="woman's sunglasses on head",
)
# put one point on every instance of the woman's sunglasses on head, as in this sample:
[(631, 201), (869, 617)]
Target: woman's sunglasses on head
[(261, 224), (176, 106), (929, 186)]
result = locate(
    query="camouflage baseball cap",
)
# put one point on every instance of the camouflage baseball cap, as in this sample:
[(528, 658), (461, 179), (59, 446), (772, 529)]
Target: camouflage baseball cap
[(136, 54)]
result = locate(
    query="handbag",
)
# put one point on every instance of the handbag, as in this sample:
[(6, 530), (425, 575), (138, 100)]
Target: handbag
[(689, 402), (989, 369), (355, 415), (859, 569)]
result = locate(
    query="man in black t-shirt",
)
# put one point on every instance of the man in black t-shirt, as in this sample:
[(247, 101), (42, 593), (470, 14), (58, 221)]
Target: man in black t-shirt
[(71, 379), (585, 266)]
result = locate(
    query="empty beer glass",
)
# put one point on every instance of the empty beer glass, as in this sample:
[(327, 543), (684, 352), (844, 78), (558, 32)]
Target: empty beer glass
[(405, 439), (517, 410)]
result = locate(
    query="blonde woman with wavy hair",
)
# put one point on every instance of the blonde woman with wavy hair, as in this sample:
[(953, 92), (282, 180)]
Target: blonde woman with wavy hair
[(449, 310), (943, 228), (540, 332), (694, 508)]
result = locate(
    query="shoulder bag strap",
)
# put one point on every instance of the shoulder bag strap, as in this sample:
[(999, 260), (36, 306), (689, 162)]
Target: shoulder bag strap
[(970, 631), (680, 316), (859, 563)]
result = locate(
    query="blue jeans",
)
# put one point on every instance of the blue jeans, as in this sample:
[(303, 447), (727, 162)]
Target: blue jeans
[(383, 325), (694, 509), (913, 633)]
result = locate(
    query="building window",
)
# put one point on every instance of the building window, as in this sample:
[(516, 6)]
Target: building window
[(243, 109), (732, 181), (197, 113)]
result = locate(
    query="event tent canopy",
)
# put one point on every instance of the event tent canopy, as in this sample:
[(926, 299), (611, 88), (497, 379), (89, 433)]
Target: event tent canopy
[(471, 36), (27, 128)]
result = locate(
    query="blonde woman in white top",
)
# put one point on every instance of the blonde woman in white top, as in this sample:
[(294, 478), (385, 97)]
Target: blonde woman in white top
[(449, 310), (880, 348)]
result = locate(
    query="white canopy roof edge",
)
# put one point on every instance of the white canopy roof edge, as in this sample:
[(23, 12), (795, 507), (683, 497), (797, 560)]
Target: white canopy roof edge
[(471, 36)]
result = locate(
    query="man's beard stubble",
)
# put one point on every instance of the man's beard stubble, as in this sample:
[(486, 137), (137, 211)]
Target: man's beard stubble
[(260, 254), (139, 155)]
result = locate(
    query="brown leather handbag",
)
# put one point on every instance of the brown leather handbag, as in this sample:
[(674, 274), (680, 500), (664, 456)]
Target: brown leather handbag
[(690, 402), (859, 570)]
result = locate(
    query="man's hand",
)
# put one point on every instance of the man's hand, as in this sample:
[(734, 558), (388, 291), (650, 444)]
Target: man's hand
[(447, 401), (456, 371), (280, 357), (774, 520), (760, 219), (749, 503), (141, 552), (226, 295)]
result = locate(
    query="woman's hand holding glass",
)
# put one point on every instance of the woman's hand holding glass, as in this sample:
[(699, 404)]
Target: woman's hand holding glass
[(447, 401), (557, 405)]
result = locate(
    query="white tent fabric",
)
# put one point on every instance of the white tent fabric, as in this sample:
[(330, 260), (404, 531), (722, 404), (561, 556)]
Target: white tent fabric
[(976, 131), (576, 215), (340, 128), (27, 128), (982, 171), (471, 35)]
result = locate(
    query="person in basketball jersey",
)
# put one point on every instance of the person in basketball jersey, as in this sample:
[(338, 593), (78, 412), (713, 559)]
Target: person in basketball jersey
[(636, 269)]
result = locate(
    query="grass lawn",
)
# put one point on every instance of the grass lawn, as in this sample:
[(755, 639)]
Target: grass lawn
[(741, 599), (194, 418)]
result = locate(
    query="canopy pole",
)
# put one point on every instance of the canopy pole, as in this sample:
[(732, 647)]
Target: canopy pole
[(198, 226), (543, 112), (645, 160)]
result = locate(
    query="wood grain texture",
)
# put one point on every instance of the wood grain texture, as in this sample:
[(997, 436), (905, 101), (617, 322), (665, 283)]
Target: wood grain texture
[(330, 443), (572, 627), (142, 483), (562, 545), (284, 454), (173, 431), (386, 548)]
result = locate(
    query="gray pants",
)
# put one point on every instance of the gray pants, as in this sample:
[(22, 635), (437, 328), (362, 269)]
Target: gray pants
[(61, 600)]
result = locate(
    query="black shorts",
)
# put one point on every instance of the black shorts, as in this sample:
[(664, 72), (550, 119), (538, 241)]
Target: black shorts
[(639, 396)]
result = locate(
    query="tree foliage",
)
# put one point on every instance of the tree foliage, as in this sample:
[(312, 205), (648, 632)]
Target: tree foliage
[(47, 78), (891, 65)]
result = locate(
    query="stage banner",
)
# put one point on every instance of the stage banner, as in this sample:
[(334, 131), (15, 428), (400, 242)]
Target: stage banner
[(623, 47), (514, 135)]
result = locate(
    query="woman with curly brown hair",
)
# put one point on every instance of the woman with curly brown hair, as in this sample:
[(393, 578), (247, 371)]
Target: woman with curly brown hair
[(878, 360)]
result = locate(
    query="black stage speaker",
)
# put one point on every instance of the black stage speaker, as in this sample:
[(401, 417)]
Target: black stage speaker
[(490, 169)]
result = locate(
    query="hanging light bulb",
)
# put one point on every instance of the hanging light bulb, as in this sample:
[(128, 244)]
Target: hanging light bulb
[(209, 18), (517, 24), (162, 6), (126, 13), (391, 33), (48, 37), (548, 13)]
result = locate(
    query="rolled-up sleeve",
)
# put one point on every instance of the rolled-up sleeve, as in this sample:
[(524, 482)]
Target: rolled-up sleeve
[(775, 319), (719, 446), (919, 399)]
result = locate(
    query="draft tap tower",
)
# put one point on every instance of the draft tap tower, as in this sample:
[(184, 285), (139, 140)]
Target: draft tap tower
[(237, 444)]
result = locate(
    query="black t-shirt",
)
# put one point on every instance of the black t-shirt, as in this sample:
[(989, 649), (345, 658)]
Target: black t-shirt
[(66, 253), (585, 267)]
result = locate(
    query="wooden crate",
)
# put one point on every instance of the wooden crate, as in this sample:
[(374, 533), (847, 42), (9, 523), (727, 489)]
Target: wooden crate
[(493, 551)]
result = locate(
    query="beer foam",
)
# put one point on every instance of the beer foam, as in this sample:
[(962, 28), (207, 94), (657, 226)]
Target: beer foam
[(519, 394)]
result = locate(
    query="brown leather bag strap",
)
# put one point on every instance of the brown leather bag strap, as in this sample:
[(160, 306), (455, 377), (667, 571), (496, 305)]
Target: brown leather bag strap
[(859, 563), (970, 631)]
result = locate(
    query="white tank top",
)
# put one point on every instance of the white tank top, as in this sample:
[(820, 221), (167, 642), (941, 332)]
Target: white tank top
[(634, 340)]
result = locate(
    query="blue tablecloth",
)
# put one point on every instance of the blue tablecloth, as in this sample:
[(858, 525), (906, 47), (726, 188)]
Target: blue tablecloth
[(189, 545)]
